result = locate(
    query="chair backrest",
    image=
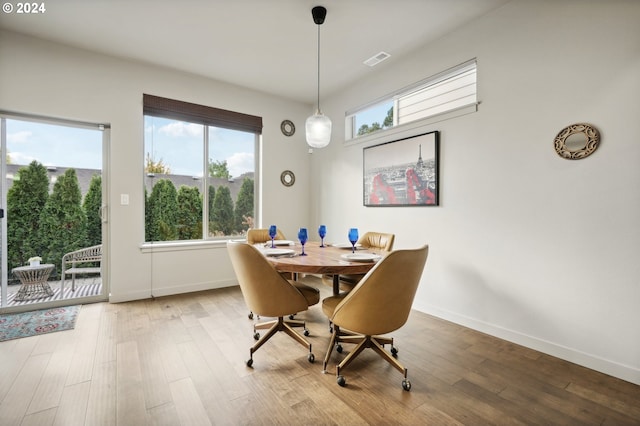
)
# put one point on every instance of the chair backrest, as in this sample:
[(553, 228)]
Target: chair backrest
[(261, 235), (382, 300), (265, 291), (377, 240)]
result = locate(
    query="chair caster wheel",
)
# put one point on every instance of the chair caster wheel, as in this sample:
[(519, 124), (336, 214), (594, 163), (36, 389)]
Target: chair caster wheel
[(311, 358), (250, 315), (291, 317), (249, 363), (394, 352), (339, 349), (341, 381), (406, 385), (256, 336), (306, 332)]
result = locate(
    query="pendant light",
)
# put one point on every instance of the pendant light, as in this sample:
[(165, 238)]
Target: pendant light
[(318, 126)]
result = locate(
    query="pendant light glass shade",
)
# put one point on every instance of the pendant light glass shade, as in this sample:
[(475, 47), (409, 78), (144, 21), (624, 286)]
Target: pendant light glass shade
[(318, 126)]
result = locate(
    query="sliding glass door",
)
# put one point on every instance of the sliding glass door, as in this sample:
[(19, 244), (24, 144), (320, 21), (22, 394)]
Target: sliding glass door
[(53, 208)]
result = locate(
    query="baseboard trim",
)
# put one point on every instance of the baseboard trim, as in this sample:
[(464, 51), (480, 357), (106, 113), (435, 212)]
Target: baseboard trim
[(148, 293), (612, 368)]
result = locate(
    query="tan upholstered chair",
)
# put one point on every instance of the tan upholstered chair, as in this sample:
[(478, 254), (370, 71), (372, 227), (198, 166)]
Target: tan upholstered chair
[(261, 235), (379, 304), (370, 240), (377, 240), (269, 294)]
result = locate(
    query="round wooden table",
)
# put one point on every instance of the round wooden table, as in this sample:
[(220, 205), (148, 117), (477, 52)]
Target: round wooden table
[(33, 280), (326, 260)]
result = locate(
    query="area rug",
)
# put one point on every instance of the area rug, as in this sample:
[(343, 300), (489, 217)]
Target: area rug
[(25, 324)]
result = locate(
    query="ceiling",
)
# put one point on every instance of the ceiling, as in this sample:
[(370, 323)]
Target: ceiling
[(267, 45)]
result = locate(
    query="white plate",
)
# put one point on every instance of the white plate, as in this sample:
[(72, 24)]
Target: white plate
[(279, 252), (360, 257), (346, 245), (279, 243)]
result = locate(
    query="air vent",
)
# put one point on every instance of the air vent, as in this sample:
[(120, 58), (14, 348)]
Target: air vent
[(376, 59)]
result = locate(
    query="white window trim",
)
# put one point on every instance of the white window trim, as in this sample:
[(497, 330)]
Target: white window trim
[(408, 129), (351, 139)]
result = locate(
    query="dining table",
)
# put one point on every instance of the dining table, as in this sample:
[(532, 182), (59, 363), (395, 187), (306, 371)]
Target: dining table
[(327, 259)]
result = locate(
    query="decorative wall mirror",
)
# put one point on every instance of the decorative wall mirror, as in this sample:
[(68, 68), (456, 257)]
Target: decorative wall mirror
[(287, 127), (287, 178), (577, 141)]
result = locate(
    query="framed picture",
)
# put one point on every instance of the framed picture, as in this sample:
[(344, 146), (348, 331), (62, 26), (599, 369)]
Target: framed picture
[(403, 172)]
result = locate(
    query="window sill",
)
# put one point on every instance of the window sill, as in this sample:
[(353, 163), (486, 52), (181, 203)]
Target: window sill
[(170, 246), (399, 131)]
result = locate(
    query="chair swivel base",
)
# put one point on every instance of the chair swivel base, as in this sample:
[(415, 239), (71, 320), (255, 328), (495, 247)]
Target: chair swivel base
[(275, 326), (363, 342)]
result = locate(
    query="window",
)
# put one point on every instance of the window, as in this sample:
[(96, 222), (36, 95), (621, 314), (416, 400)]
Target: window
[(451, 90), (373, 118), (199, 166)]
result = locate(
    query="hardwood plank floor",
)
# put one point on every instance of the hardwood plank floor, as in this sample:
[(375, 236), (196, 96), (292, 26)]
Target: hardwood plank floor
[(180, 360)]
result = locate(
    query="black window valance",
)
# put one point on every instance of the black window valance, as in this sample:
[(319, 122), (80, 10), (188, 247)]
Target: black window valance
[(194, 113)]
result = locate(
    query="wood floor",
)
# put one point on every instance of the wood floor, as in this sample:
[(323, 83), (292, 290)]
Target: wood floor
[(180, 360)]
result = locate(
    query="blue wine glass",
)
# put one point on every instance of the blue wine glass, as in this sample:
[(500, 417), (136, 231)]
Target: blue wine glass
[(303, 236), (322, 231), (272, 233), (353, 238)]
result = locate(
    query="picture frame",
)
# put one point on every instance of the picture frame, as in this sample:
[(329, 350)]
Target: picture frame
[(403, 172)]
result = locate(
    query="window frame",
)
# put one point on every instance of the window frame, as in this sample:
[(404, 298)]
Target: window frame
[(155, 106), (395, 97)]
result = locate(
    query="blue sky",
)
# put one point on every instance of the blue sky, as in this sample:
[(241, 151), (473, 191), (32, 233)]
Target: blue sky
[(376, 113), (52, 145), (178, 144)]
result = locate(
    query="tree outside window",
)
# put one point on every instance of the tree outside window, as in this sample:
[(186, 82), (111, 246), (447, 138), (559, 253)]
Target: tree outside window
[(176, 177)]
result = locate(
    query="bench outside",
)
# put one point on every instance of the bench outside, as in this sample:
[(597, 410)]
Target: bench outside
[(76, 263)]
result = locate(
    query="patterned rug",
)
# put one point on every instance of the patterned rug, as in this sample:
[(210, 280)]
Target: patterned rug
[(25, 324)]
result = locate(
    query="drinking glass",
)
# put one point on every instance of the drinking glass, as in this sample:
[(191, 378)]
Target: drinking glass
[(272, 233), (353, 238), (322, 231), (302, 236)]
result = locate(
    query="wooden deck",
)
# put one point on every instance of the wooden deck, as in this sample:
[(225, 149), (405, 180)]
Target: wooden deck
[(85, 287)]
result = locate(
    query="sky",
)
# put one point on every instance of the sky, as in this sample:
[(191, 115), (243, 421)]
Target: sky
[(178, 144), (376, 113), (53, 145)]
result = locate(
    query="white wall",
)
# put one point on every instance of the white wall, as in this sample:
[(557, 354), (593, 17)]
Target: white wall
[(525, 245), (43, 78)]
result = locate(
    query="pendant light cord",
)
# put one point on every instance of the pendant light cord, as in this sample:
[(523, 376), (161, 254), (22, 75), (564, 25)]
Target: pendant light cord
[(318, 69)]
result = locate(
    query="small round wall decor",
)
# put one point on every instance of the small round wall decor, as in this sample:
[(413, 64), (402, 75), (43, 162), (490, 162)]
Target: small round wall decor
[(287, 178), (577, 141), (287, 127)]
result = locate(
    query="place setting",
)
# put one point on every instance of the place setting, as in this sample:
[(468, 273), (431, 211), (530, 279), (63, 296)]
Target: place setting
[(354, 245), (280, 252)]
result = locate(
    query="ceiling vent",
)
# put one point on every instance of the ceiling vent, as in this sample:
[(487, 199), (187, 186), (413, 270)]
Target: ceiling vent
[(376, 59)]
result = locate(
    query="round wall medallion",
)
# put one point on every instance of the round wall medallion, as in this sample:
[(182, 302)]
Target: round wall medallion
[(287, 178), (287, 127), (576, 141)]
